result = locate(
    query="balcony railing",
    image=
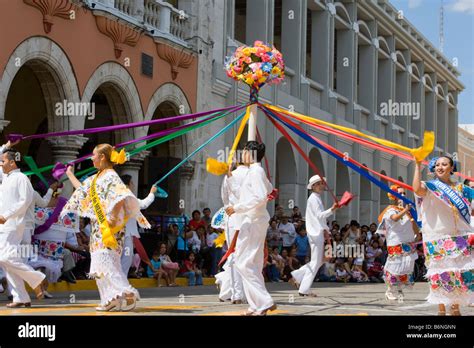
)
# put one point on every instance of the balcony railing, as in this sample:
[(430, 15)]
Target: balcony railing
[(158, 17)]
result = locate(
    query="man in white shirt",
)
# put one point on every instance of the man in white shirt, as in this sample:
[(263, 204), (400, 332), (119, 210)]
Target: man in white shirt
[(316, 224), (249, 253), (229, 280), (16, 197), (288, 233)]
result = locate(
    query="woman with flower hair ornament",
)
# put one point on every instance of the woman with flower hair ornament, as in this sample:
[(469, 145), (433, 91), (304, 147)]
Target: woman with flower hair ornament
[(443, 207), (399, 228)]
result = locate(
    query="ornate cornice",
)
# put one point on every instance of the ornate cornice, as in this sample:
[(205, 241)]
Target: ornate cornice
[(50, 9), (119, 33), (176, 59)]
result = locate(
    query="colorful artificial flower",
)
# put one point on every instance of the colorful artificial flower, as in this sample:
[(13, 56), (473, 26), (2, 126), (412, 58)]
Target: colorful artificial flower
[(256, 65)]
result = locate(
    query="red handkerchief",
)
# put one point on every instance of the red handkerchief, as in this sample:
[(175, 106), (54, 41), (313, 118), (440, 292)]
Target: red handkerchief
[(346, 198), (273, 195)]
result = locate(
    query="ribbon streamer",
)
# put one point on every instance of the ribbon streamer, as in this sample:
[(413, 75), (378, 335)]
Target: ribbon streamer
[(215, 136), (215, 167), (385, 177), (60, 168), (298, 130), (419, 153), (16, 137)]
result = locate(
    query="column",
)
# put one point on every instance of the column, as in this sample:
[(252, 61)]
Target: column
[(66, 149)]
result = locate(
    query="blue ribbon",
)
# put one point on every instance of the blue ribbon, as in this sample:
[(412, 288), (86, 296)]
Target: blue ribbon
[(347, 163), (215, 136)]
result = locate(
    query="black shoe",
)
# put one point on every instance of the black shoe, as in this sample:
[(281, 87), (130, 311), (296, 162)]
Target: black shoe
[(10, 298)]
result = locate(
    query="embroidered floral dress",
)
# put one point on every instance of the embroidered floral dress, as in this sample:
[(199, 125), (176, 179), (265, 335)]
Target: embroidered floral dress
[(105, 262), (51, 242), (448, 255), (398, 270)]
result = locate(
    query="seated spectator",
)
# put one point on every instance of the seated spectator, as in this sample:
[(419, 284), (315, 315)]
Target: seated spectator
[(196, 220), (341, 273), (272, 272), (327, 272), (278, 260), (278, 213), (291, 265), (302, 246), (191, 271), (288, 233), (155, 270), (171, 268), (296, 215), (206, 217), (274, 238), (358, 274)]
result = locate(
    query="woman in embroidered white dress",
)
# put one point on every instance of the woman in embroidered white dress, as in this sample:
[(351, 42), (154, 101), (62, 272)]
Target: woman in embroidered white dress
[(400, 229), (118, 204), (445, 229)]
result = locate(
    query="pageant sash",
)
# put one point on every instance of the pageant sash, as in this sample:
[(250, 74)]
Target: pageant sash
[(53, 218), (446, 194), (108, 237)]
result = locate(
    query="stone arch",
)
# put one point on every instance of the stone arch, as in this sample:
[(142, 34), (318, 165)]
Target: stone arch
[(55, 74), (383, 44), (341, 11), (171, 96), (285, 177), (364, 29), (401, 58), (120, 90), (415, 71)]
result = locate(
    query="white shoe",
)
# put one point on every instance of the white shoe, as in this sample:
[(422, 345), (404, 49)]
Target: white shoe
[(400, 297), (47, 294), (390, 296), (129, 307), (112, 306)]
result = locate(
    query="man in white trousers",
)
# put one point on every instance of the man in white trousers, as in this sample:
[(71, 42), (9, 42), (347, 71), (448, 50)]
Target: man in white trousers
[(229, 280), (17, 195), (249, 250), (316, 223)]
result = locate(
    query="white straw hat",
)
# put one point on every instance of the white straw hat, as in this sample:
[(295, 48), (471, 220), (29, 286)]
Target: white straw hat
[(314, 179)]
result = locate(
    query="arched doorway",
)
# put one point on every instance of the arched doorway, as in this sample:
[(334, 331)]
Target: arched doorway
[(285, 178), (161, 159), (29, 108)]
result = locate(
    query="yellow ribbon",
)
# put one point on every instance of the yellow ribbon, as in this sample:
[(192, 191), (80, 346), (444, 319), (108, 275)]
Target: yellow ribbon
[(118, 157), (108, 234), (419, 153), (215, 167)]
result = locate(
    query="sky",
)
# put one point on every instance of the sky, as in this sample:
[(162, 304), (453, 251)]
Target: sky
[(458, 39)]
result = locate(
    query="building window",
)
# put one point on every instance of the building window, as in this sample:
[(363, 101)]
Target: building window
[(277, 24), (240, 20)]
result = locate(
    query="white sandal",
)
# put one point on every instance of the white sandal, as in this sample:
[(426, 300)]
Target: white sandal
[(128, 307), (112, 306)]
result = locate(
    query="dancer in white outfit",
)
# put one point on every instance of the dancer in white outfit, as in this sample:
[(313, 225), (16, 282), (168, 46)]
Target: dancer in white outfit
[(249, 253), (229, 280), (131, 228), (316, 224), (17, 194)]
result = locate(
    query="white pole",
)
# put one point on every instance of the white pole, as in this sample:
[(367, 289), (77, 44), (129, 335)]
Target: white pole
[(252, 130)]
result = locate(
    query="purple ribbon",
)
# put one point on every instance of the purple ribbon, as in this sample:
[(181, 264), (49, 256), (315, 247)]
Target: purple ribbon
[(60, 168), (53, 218), (16, 137)]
